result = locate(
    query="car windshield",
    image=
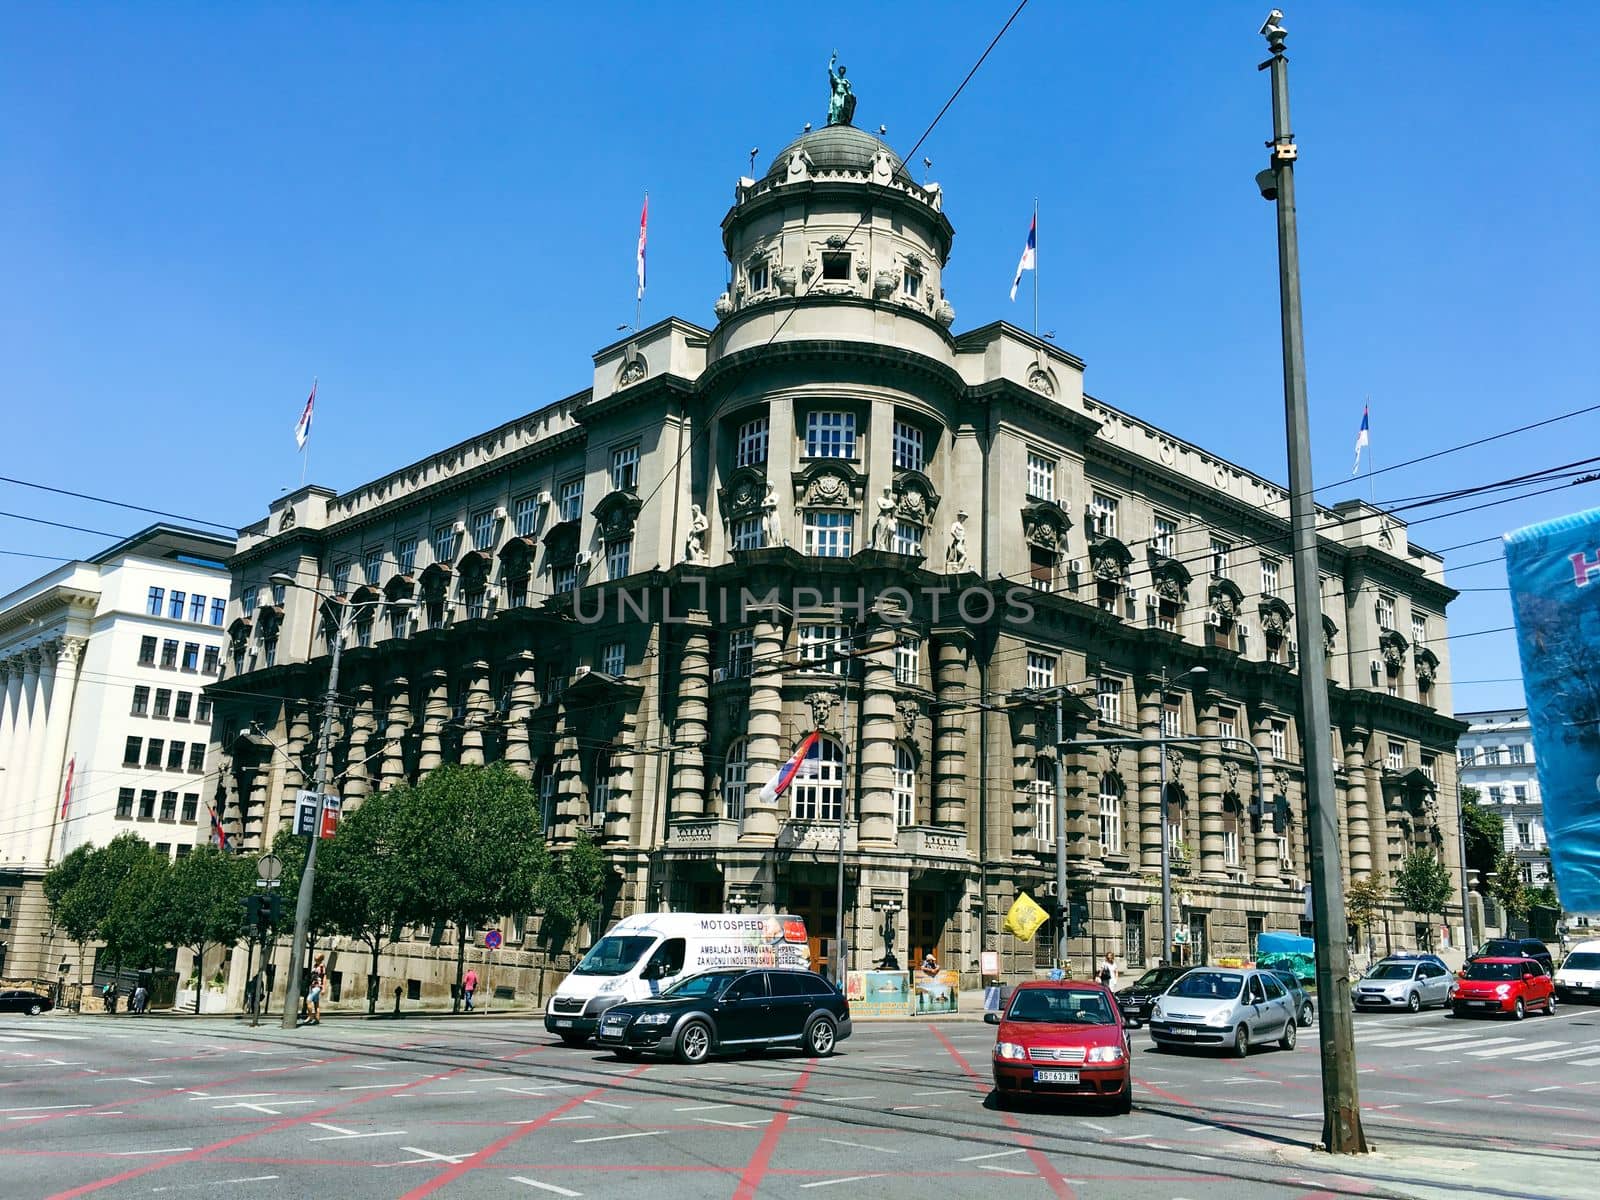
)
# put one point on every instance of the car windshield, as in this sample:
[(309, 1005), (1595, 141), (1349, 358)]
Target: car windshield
[(1500, 950), (1494, 970), (1208, 985), (614, 955), (1060, 1006), (1393, 971), (1583, 960), (1155, 980), (712, 984)]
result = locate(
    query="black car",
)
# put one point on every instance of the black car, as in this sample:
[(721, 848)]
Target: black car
[(21, 1000), (1139, 997), (1518, 948), (730, 1011)]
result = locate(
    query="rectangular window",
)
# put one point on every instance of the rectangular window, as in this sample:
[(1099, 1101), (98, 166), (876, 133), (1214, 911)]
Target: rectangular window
[(175, 756), (756, 276), (399, 623), (1042, 569), (1220, 550), (1110, 817), (197, 757), (153, 751), (1172, 720), (153, 603), (1279, 733), (751, 449), (907, 657), (555, 680), (564, 580), (147, 805), (1103, 513), (1227, 722), (827, 534), (169, 806), (219, 606), (175, 606), (141, 701), (911, 284), (163, 702), (1108, 698), (341, 578), (614, 659), (830, 435), (1041, 669), (1269, 577), (835, 265), (1385, 612), (212, 660), (191, 656), (1497, 793), (1230, 845), (525, 515), (1044, 800), (191, 807), (823, 647), (1428, 764), (147, 652), (131, 750), (572, 500), (269, 652), (908, 454), (619, 558), (1519, 793), (405, 556), (184, 706), (475, 605), (1395, 755), (1419, 631), (1525, 833), (907, 538), (1517, 754), (749, 534), (169, 653), (202, 709), (124, 804), (372, 566), (444, 544), (741, 652), (197, 608), (483, 529), (1041, 476), (1166, 537), (247, 600), (904, 788), (279, 590), (625, 468)]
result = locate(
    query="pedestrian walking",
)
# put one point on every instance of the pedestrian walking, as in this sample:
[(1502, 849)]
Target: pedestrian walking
[(109, 995), (469, 985), (1108, 971), (141, 999), (319, 975)]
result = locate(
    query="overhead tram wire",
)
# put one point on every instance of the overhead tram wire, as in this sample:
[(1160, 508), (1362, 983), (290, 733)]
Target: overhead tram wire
[(155, 512)]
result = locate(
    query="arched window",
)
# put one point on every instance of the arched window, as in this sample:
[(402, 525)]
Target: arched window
[(1044, 799), (905, 787), (600, 793), (1110, 814), (818, 796), (733, 781)]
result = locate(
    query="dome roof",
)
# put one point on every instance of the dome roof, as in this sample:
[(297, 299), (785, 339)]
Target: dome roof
[(837, 148)]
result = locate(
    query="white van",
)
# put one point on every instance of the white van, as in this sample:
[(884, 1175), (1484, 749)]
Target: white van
[(1578, 976), (642, 955)]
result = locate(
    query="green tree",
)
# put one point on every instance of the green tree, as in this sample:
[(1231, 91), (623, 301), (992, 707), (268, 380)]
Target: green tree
[(134, 927), (467, 848), (1423, 886), (1364, 901), (1485, 832), (1507, 887), (359, 880), (569, 892), (202, 904)]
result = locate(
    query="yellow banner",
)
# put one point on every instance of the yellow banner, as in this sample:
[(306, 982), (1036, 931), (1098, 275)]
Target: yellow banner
[(1024, 917)]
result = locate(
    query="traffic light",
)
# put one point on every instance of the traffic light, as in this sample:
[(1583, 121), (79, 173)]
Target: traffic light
[(1280, 814), (274, 909), (1256, 815), (1078, 917), (252, 909)]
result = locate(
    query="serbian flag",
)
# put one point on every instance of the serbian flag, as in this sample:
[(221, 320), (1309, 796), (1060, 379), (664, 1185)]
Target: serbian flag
[(302, 427), (803, 762), (1363, 438), (1029, 254), (66, 792), (644, 222), (217, 831)]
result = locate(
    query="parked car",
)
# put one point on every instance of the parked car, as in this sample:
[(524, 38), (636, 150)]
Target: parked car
[(24, 1000), (1224, 1006), (1416, 955), (1502, 985), (1061, 1039), (733, 1010), (1578, 978), (1518, 948), (1139, 997), (1409, 983), (1304, 1005)]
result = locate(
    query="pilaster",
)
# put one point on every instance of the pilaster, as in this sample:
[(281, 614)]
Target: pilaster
[(691, 726), (952, 649)]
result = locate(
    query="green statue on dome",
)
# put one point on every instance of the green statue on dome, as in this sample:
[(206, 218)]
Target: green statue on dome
[(841, 101)]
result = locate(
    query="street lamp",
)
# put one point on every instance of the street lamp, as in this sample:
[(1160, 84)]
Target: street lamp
[(302, 908), (1199, 673)]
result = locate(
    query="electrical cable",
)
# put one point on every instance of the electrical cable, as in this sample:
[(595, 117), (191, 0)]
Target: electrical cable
[(45, 487)]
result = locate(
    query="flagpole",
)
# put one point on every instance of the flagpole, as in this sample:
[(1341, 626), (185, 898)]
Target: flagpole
[(305, 450), (1366, 409), (638, 299), (1036, 266)]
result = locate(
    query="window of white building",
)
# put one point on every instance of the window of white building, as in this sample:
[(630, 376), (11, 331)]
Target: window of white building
[(1269, 577), (908, 454), (828, 534), (1041, 476), (1279, 733), (614, 659), (1220, 552), (1108, 698), (734, 770), (572, 500), (741, 652), (1166, 536), (820, 795), (526, 516), (619, 557), (830, 435), (822, 647), (749, 534), (1103, 514), (625, 468), (483, 530), (1385, 612), (751, 450), (1395, 755), (907, 538)]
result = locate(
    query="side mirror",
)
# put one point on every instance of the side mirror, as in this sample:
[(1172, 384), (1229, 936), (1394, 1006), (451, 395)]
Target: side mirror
[(991, 1018)]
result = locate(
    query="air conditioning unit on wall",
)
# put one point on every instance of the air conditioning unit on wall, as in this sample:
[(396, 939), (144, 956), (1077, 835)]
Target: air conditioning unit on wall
[(1119, 895)]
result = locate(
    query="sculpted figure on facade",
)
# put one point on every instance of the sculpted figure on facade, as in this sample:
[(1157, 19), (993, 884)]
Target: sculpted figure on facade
[(841, 100), (771, 530), (883, 525), (955, 556), (694, 546)]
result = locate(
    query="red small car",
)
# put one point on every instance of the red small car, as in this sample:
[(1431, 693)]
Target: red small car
[(1502, 985), (1059, 1040)]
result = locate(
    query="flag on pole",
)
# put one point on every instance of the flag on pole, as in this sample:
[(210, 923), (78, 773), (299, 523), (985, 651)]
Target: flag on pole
[(1024, 917), (302, 427), (66, 792), (1363, 438), (217, 830), (644, 222), (804, 762), (1029, 254)]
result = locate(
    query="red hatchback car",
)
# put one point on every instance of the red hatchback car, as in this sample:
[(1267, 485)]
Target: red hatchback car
[(1502, 985), (1060, 1040)]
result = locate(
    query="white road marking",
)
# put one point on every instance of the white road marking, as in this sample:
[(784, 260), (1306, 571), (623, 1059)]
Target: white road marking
[(606, 1104), (936, 1092), (179, 1187), (1003, 1170), (842, 1099), (702, 1107), (521, 1091), (1567, 1053), (846, 1179), (909, 1107), (996, 1154), (617, 1137), (1446, 1049), (138, 1153), (1092, 1125), (430, 1156), (350, 1134), (544, 1187), (367, 1087), (1586, 1062), (860, 1145), (735, 1124), (1517, 1048), (1418, 1039), (235, 1096), (1452, 1100), (574, 1117), (42, 1108)]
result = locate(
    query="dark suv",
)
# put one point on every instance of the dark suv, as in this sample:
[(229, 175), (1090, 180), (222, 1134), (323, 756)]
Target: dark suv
[(1518, 948), (730, 1011), (1139, 997)]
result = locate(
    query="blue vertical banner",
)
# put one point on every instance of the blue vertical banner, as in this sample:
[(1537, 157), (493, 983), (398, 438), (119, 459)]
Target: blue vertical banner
[(1554, 571)]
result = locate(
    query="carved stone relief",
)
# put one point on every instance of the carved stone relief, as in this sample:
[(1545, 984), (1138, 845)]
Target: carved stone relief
[(822, 704)]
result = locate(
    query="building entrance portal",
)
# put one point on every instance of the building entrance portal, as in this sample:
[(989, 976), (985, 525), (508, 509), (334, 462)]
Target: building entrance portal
[(927, 919)]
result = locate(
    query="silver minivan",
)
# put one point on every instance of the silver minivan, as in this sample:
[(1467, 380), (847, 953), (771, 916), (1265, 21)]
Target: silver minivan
[(1224, 1006)]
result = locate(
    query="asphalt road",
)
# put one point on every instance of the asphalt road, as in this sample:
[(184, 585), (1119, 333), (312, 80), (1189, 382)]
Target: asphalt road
[(492, 1107)]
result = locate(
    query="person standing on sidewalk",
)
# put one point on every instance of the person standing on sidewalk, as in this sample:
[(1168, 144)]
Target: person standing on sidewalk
[(319, 974), (1108, 972), (469, 985)]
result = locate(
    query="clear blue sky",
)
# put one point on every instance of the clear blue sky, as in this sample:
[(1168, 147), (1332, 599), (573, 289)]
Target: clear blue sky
[(433, 209)]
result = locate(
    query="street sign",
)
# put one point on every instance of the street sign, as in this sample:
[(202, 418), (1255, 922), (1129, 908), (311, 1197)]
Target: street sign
[(492, 939), (305, 813), (268, 868), (330, 815)]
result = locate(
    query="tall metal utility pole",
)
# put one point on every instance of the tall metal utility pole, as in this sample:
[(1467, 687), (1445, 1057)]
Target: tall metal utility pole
[(1341, 1108)]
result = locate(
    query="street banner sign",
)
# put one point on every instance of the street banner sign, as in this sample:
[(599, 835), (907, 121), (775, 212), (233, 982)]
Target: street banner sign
[(305, 813), (330, 814), (492, 939), (1554, 572)]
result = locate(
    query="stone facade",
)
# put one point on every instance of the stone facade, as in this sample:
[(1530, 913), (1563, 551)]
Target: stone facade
[(832, 512)]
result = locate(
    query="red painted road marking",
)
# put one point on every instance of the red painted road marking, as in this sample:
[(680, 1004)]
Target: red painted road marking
[(756, 1168), (1047, 1171)]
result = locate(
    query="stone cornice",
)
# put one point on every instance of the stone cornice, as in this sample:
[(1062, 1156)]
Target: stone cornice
[(835, 350)]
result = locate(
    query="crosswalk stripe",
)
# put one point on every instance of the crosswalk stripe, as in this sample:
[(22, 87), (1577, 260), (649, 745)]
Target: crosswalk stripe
[(1516, 1048), (1585, 1062), (1414, 1039), (1566, 1053), (1463, 1045)]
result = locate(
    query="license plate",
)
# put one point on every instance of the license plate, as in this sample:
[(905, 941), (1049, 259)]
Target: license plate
[(1579, 991), (1181, 1032), (611, 1035), (1055, 1077), (563, 1023), (1480, 1003)]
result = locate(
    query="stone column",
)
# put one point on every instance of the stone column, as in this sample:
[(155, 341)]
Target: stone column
[(253, 808), (64, 670), (11, 723), (619, 823), (1080, 805), (31, 735), (524, 698), (1213, 856), (952, 649), (1151, 818), (297, 719), (1266, 842), (692, 721), (1025, 748), (359, 773), (435, 712), (397, 720), (1355, 742), (479, 704), (570, 803), (764, 728), (879, 730)]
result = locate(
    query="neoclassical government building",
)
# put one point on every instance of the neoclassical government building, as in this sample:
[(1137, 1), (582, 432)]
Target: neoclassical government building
[(833, 511)]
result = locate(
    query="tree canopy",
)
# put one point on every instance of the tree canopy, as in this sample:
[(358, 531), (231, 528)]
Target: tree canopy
[(1423, 884)]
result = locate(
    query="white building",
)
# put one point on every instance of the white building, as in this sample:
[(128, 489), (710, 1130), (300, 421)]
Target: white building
[(1496, 755), (102, 666)]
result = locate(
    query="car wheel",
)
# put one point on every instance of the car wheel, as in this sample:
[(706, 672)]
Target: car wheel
[(820, 1038), (34, 1010), (1241, 1042), (1414, 1002), (573, 1039), (1122, 1104), (1550, 1005), (1308, 1014), (1520, 1011), (1291, 1033), (694, 1042)]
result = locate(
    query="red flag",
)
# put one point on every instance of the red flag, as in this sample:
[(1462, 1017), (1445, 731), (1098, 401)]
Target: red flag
[(66, 793), (217, 830)]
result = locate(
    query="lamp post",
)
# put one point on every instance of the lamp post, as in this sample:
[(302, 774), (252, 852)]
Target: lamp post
[(302, 908)]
